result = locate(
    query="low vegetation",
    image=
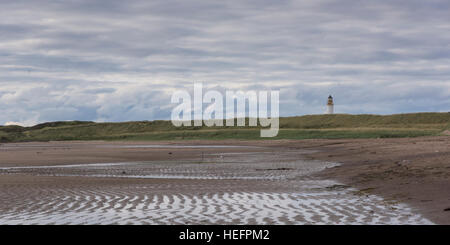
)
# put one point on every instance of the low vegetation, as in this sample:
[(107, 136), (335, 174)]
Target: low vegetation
[(301, 127)]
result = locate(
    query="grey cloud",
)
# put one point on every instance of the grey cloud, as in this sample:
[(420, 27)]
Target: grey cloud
[(119, 60), (100, 91)]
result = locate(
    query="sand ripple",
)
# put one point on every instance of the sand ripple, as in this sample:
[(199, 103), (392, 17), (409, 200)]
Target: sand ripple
[(137, 207), (232, 189)]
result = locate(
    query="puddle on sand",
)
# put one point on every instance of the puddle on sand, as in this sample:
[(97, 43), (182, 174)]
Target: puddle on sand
[(87, 165)]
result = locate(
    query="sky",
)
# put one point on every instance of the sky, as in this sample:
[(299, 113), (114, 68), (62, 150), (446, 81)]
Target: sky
[(122, 60)]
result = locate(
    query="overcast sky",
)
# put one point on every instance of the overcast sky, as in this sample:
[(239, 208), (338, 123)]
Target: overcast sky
[(121, 60)]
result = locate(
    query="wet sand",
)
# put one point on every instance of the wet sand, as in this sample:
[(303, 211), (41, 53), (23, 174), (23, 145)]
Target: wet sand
[(189, 182), (415, 171)]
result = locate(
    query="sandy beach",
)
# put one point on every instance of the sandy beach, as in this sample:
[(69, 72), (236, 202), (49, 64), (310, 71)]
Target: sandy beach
[(409, 170), (379, 181)]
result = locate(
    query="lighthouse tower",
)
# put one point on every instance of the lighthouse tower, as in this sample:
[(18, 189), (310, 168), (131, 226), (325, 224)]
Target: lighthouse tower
[(330, 105)]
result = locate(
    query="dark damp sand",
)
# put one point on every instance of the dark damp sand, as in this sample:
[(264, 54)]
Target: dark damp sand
[(413, 171), (410, 170)]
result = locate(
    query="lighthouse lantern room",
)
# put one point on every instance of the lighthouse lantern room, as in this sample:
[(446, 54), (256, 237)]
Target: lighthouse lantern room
[(330, 105)]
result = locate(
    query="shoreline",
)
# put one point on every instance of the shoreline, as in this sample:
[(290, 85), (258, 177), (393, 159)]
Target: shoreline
[(371, 166), (415, 171)]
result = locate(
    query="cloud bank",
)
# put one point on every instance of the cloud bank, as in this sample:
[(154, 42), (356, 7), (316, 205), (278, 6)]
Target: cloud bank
[(121, 60)]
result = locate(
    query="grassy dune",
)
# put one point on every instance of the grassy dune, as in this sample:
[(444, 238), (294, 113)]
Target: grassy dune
[(302, 127)]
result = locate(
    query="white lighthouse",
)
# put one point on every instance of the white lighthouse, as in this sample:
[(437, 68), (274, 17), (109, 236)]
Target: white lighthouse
[(330, 105)]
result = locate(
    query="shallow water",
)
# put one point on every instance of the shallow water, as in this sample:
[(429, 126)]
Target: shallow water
[(66, 166), (245, 188), (214, 208)]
